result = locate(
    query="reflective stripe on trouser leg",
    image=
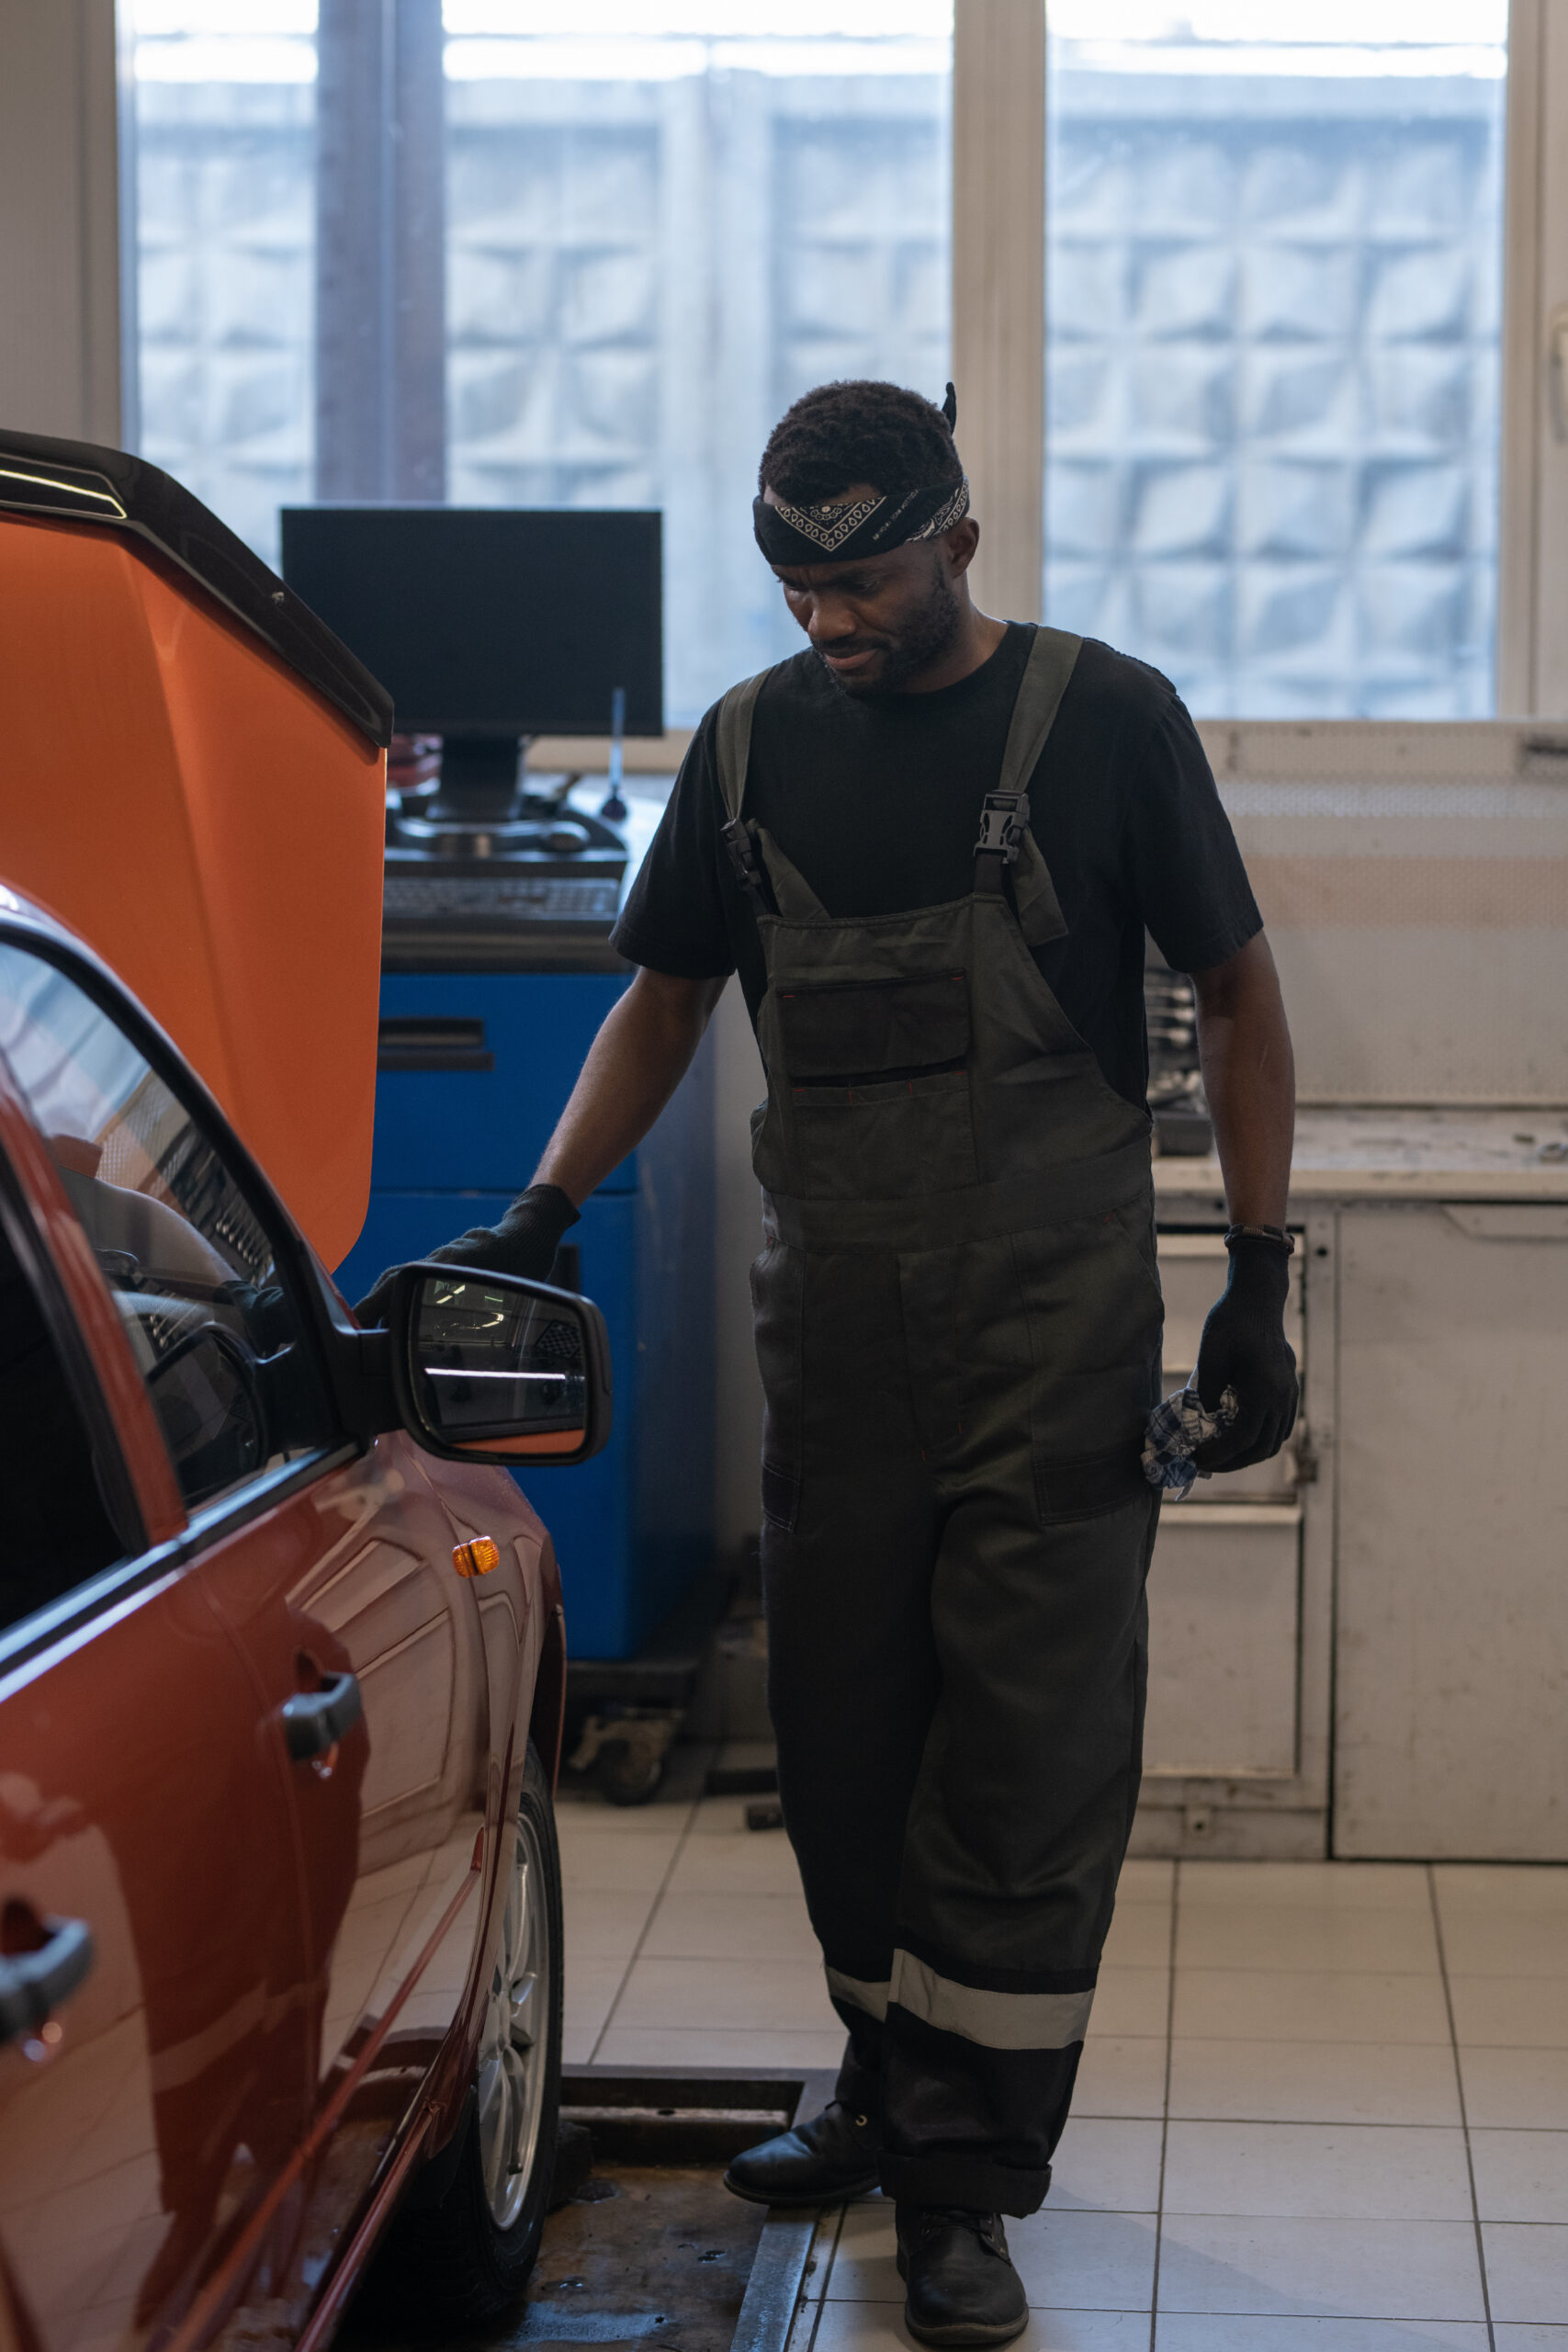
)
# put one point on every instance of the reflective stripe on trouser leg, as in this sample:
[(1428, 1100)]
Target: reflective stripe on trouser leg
[(863, 2007), (852, 1677), (854, 1993), (1016, 1834), (957, 1690), (996, 2020)]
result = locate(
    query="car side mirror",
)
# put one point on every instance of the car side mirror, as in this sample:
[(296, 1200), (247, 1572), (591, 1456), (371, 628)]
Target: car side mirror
[(492, 1368)]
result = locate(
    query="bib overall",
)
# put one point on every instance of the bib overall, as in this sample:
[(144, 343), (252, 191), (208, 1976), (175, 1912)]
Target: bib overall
[(958, 1325)]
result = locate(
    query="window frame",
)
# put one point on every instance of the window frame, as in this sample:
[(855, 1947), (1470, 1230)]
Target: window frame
[(207, 1522)]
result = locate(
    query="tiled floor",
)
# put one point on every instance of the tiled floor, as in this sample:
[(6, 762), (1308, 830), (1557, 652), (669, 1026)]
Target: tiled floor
[(1323, 2108)]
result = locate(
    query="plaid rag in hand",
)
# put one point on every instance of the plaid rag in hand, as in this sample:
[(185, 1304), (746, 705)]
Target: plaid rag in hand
[(1176, 1428)]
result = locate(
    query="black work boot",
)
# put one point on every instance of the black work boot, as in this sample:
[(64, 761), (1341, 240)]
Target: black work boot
[(962, 2287), (819, 2163)]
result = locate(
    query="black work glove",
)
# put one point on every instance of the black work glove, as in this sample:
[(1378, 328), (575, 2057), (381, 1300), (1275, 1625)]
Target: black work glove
[(523, 1243), (1244, 1347)]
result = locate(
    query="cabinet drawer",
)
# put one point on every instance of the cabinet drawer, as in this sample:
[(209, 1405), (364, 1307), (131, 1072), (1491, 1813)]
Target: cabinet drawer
[(474, 1070), (1225, 1641), (1193, 1272)]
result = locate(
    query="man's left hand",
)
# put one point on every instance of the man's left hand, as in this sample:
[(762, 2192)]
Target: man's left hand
[(525, 1243), (1244, 1347)]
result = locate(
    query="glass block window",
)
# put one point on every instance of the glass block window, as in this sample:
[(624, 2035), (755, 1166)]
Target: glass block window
[(223, 282), (1274, 242), (665, 220)]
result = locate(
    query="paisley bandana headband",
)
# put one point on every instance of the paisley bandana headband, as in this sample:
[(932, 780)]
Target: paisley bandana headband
[(871, 526), (842, 533)]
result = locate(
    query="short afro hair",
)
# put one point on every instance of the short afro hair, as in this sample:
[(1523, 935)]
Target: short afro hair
[(853, 432)]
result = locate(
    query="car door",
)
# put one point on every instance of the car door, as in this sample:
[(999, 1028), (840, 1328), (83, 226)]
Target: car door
[(345, 1586), (377, 1582), (153, 2069)]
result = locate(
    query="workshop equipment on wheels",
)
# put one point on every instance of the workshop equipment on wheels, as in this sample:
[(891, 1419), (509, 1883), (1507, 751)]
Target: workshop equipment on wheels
[(492, 627)]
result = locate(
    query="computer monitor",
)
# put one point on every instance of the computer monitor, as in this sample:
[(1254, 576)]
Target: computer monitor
[(488, 624)]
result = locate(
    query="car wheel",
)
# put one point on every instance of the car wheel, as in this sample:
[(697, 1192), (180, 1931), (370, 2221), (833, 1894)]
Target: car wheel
[(465, 2256)]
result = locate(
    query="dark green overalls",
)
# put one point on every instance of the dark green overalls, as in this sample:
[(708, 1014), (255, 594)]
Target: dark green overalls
[(958, 1324)]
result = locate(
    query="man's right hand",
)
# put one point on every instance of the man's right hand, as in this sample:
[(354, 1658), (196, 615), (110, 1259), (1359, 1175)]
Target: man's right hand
[(523, 1243), (1243, 1349)]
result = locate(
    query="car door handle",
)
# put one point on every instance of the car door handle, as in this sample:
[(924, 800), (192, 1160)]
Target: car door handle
[(315, 1721), (34, 1983)]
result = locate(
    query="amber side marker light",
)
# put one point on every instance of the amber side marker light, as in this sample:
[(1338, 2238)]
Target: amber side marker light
[(478, 1558)]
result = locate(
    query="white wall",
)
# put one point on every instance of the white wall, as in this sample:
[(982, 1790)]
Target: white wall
[(1413, 880), (59, 350)]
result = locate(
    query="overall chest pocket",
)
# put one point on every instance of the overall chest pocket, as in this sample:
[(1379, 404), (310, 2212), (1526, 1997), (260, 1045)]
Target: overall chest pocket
[(875, 1076)]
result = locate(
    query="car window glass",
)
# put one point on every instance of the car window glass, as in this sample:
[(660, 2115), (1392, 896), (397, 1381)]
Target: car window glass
[(55, 1529), (219, 1341)]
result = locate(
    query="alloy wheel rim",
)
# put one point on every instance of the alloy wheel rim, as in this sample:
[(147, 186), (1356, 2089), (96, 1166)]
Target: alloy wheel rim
[(513, 2046)]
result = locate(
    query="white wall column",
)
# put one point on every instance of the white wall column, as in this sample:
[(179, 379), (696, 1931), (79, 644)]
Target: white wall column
[(999, 288), (60, 351), (1532, 583)]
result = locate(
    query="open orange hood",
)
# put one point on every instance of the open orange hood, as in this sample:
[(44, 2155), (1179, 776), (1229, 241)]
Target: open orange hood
[(193, 779)]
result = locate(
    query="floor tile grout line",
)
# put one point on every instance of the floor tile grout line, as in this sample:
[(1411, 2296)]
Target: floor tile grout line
[(826, 2280), (1165, 2104), (1463, 2109), (663, 1888), (1309, 2123), (1122, 2310)]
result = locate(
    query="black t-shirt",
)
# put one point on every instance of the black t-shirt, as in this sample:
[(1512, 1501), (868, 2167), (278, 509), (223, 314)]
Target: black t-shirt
[(877, 803)]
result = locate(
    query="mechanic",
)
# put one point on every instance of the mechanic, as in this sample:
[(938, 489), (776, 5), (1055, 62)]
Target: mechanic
[(930, 845)]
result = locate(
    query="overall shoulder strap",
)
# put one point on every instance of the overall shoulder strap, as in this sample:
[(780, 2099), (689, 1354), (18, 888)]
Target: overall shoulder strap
[(1044, 681), (732, 740), (732, 749), (1006, 842)]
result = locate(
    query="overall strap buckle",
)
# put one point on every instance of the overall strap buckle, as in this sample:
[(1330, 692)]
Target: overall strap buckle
[(1004, 821), (738, 840)]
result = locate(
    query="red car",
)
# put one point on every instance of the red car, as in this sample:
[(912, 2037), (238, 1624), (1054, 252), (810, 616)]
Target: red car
[(281, 1673)]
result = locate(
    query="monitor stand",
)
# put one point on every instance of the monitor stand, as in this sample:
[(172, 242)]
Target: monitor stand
[(481, 878), (481, 781), (479, 805)]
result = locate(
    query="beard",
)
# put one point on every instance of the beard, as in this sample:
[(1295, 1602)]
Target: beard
[(928, 632)]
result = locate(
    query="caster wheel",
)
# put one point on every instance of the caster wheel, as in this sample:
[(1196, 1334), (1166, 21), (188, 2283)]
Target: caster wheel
[(627, 1774)]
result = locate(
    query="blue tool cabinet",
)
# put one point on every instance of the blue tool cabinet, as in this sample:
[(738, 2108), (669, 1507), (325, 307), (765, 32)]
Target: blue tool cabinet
[(454, 1144)]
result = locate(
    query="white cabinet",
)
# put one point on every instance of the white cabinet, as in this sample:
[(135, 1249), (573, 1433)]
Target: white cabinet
[(1235, 1745), (1452, 1647), (1225, 1642)]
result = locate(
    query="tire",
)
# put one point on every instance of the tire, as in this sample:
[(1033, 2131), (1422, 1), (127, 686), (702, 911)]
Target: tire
[(461, 2259)]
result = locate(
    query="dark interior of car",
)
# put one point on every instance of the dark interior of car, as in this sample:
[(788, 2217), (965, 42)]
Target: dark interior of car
[(54, 1529)]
